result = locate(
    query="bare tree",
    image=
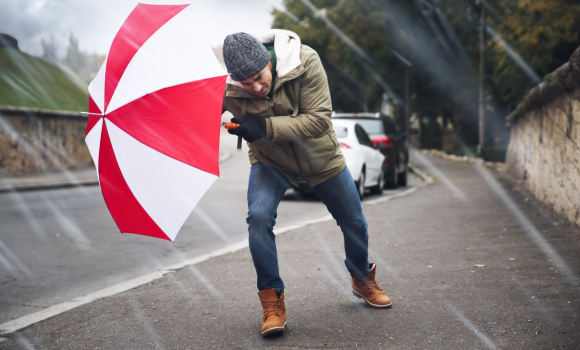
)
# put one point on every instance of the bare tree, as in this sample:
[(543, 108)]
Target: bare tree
[(49, 50), (74, 58)]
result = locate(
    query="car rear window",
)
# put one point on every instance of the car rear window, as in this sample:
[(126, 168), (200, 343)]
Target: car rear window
[(341, 132), (371, 126)]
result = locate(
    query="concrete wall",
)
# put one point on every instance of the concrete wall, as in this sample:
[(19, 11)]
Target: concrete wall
[(33, 140), (544, 153)]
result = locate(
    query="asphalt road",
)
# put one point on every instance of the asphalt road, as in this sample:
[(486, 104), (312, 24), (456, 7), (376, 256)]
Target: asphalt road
[(470, 262), (56, 245)]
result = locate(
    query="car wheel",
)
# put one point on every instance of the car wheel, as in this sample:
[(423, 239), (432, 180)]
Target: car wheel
[(360, 185), (299, 191), (393, 182), (403, 177), (378, 189)]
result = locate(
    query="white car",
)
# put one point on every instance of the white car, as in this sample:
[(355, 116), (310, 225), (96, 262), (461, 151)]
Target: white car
[(362, 159)]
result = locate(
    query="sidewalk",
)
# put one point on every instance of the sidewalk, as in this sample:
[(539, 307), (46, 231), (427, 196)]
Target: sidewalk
[(427, 246), (85, 176)]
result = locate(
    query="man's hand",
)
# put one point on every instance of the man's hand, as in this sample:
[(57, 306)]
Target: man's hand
[(251, 128)]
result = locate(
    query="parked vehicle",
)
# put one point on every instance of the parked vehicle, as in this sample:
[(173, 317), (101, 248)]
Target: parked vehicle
[(387, 138), (363, 160)]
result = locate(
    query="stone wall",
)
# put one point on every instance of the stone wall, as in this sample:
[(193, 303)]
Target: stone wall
[(34, 140), (544, 149)]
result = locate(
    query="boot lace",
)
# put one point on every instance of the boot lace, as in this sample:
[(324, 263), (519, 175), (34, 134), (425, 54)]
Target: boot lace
[(370, 284), (373, 282), (271, 307)]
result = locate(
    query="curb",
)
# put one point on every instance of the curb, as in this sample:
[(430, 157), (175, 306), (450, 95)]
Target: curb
[(427, 178), (224, 155), (496, 166), (47, 185)]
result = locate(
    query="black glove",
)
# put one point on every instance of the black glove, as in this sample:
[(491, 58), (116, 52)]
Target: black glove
[(251, 128)]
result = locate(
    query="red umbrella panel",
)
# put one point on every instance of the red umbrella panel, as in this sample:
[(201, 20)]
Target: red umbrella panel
[(155, 140)]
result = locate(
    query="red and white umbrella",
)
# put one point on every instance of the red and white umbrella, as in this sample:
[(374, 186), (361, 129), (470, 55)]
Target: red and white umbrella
[(154, 127)]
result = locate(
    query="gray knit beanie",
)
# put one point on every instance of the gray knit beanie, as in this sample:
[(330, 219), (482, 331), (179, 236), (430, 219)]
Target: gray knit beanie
[(244, 55)]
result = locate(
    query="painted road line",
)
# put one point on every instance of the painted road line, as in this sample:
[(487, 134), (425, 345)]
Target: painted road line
[(30, 319), (224, 155), (426, 181), (229, 249), (25, 321)]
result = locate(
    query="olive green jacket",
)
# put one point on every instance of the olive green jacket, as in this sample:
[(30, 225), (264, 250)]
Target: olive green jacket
[(300, 140)]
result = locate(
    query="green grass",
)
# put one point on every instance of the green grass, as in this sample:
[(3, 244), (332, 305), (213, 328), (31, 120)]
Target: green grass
[(27, 81), (548, 78)]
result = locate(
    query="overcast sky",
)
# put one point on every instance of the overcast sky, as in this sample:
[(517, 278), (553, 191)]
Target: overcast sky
[(95, 22)]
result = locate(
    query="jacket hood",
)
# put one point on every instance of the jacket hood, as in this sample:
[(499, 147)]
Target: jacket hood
[(287, 48)]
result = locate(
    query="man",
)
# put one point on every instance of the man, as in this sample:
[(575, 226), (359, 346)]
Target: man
[(278, 92)]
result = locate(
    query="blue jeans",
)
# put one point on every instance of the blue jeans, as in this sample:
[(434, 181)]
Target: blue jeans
[(265, 190)]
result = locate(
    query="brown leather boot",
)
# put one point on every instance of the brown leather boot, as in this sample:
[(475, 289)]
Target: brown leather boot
[(274, 311), (368, 289)]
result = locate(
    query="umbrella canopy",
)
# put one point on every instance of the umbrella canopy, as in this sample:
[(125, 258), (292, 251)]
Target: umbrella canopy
[(155, 142)]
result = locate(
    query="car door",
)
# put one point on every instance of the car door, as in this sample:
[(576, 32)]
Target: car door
[(372, 157)]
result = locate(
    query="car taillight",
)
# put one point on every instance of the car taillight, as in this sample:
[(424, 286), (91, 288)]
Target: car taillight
[(343, 145), (384, 140)]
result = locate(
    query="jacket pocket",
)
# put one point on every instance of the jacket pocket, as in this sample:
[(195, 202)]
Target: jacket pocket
[(262, 146), (279, 155), (318, 152)]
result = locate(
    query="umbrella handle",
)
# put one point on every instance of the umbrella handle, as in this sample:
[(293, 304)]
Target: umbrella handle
[(232, 126)]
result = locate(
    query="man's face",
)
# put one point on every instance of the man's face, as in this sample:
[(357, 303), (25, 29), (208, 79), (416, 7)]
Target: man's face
[(261, 83)]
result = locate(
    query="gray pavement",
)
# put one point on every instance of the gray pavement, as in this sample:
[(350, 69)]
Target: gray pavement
[(466, 262), (60, 244)]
